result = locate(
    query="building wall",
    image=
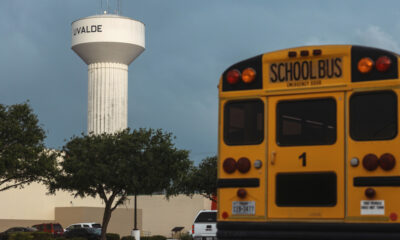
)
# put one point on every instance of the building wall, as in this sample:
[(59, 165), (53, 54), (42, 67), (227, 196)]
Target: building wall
[(160, 215), (121, 222), (156, 215)]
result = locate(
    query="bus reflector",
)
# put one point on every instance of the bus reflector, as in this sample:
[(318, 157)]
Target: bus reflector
[(370, 162), (393, 216), (243, 165), (387, 161), (370, 193), (233, 76), (241, 193), (225, 215), (383, 63), (229, 165), (248, 75), (365, 65)]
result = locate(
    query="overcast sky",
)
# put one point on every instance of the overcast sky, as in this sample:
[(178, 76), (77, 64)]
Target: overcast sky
[(189, 43)]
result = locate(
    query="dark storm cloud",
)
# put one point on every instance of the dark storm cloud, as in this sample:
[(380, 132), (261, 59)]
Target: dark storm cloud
[(173, 84)]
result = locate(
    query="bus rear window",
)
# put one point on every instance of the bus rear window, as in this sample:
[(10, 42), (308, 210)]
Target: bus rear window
[(244, 122), (373, 116), (306, 122)]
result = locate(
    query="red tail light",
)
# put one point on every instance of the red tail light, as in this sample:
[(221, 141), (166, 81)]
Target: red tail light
[(387, 161), (233, 76), (243, 165), (241, 193), (370, 162), (383, 64), (225, 215), (229, 165), (193, 229)]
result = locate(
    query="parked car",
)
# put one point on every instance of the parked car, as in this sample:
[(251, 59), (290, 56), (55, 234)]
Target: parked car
[(53, 228), (205, 225), (83, 225), (88, 233), (5, 235)]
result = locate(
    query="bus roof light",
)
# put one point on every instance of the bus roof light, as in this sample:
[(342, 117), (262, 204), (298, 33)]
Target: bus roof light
[(292, 54), (317, 52), (304, 53), (248, 75), (383, 63), (243, 165), (370, 162), (387, 161), (365, 65), (233, 76), (229, 165)]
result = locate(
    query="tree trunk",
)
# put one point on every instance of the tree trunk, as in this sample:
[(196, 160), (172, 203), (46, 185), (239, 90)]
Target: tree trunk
[(106, 220)]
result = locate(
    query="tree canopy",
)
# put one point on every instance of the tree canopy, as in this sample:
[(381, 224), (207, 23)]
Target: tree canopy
[(203, 179), (23, 157), (113, 166)]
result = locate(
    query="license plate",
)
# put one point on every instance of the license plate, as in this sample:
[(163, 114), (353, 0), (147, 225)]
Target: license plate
[(243, 208)]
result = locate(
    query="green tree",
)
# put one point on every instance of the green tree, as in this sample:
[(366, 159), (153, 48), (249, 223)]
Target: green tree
[(113, 166), (203, 179), (23, 157)]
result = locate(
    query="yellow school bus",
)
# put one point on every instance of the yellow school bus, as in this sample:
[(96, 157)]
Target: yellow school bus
[(308, 143)]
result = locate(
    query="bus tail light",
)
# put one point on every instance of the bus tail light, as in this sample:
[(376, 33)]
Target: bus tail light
[(248, 75), (365, 65), (233, 76), (225, 215), (370, 162), (383, 63), (370, 193), (241, 193), (243, 165), (229, 165), (387, 161)]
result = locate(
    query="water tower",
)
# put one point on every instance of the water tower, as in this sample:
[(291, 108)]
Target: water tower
[(107, 43)]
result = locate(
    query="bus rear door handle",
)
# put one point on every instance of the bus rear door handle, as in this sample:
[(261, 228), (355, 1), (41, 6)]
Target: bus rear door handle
[(273, 157)]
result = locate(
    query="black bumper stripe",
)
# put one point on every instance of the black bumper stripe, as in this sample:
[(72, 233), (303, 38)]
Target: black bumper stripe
[(238, 182), (392, 181), (307, 231)]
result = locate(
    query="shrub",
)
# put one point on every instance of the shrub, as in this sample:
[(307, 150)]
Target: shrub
[(21, 236), (155, 237), (186, 236), (129, 238), (41, 236), (112, 236)]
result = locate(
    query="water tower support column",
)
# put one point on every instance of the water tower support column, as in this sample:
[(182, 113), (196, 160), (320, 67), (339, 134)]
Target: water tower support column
[(107, 97)]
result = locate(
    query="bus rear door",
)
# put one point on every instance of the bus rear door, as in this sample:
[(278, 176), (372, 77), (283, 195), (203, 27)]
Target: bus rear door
[(306, 156)]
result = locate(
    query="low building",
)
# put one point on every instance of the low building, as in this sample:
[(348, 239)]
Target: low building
[(156, 215)]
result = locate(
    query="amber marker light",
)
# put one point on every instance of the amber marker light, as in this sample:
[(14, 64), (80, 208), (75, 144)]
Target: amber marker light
[(365, 65), (370, 162), (387, 161), (229, 165), (383, 63), (233, 76), (248, 75), (243, 165)]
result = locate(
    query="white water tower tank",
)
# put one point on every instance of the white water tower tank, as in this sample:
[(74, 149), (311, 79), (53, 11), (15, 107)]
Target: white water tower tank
[(108, 44)]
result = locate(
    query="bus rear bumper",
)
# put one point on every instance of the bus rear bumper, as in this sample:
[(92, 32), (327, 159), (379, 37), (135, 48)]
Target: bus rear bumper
[(307, 231)]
